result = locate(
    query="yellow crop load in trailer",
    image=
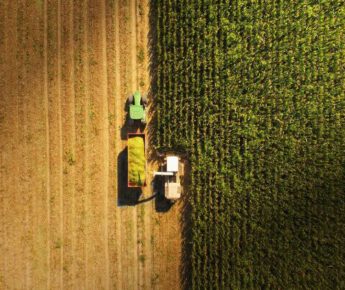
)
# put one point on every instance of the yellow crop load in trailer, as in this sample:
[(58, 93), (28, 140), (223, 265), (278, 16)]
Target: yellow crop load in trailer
[(136, 160)]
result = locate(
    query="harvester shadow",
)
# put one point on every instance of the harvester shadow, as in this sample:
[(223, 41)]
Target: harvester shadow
[(161, 203), (125, 196), (147, 199)]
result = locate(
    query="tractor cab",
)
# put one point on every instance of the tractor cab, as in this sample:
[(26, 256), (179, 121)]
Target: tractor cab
[(137, 104)]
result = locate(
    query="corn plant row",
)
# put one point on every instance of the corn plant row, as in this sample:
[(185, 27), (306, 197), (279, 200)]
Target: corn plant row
[(254, 92)]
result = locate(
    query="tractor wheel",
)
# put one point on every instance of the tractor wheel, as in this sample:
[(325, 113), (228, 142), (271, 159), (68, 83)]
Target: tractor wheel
[(130, 99), (144, 100)]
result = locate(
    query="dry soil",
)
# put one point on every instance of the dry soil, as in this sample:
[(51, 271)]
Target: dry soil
[(67, 219)]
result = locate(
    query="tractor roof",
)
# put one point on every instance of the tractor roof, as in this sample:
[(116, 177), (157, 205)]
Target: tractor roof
[(136, 112)]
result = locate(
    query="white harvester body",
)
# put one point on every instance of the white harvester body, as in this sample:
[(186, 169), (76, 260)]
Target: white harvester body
[(172, 186)]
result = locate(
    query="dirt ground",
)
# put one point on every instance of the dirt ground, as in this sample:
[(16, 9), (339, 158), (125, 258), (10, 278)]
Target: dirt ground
[(67, 219)]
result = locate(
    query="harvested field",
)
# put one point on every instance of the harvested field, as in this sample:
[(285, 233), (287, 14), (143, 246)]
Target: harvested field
[(67, 219)]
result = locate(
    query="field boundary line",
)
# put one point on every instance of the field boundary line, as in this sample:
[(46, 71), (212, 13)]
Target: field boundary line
[(60, 139), (87, 136), (118, 122), (46, 107), (105, 130)]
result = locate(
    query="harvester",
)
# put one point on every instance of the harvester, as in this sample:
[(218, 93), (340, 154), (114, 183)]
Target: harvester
[(172, 186)]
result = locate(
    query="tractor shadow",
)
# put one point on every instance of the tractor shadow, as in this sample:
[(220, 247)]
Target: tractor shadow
[(125, 196)]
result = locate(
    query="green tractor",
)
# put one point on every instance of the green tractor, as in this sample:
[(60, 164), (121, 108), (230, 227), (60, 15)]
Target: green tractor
[(137, 104)]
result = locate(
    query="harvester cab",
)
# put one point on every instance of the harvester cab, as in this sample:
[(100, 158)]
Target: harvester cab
[(172, 186), (137, 104)]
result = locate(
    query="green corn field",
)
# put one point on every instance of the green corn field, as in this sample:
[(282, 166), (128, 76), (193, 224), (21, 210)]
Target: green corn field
[(254, 92)]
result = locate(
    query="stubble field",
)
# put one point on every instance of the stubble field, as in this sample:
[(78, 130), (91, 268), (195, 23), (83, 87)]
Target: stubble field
[(67, 220)]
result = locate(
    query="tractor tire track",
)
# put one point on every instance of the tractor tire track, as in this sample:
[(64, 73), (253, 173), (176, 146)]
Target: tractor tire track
[(112, 59), (81, 166), (53, 55), (118, 148), (36, 143), (145, 209), (99, 143), (69, 145), (127, 66), (23, 186), (46, 110), (87, 175), (9, 148), (3, 140)]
